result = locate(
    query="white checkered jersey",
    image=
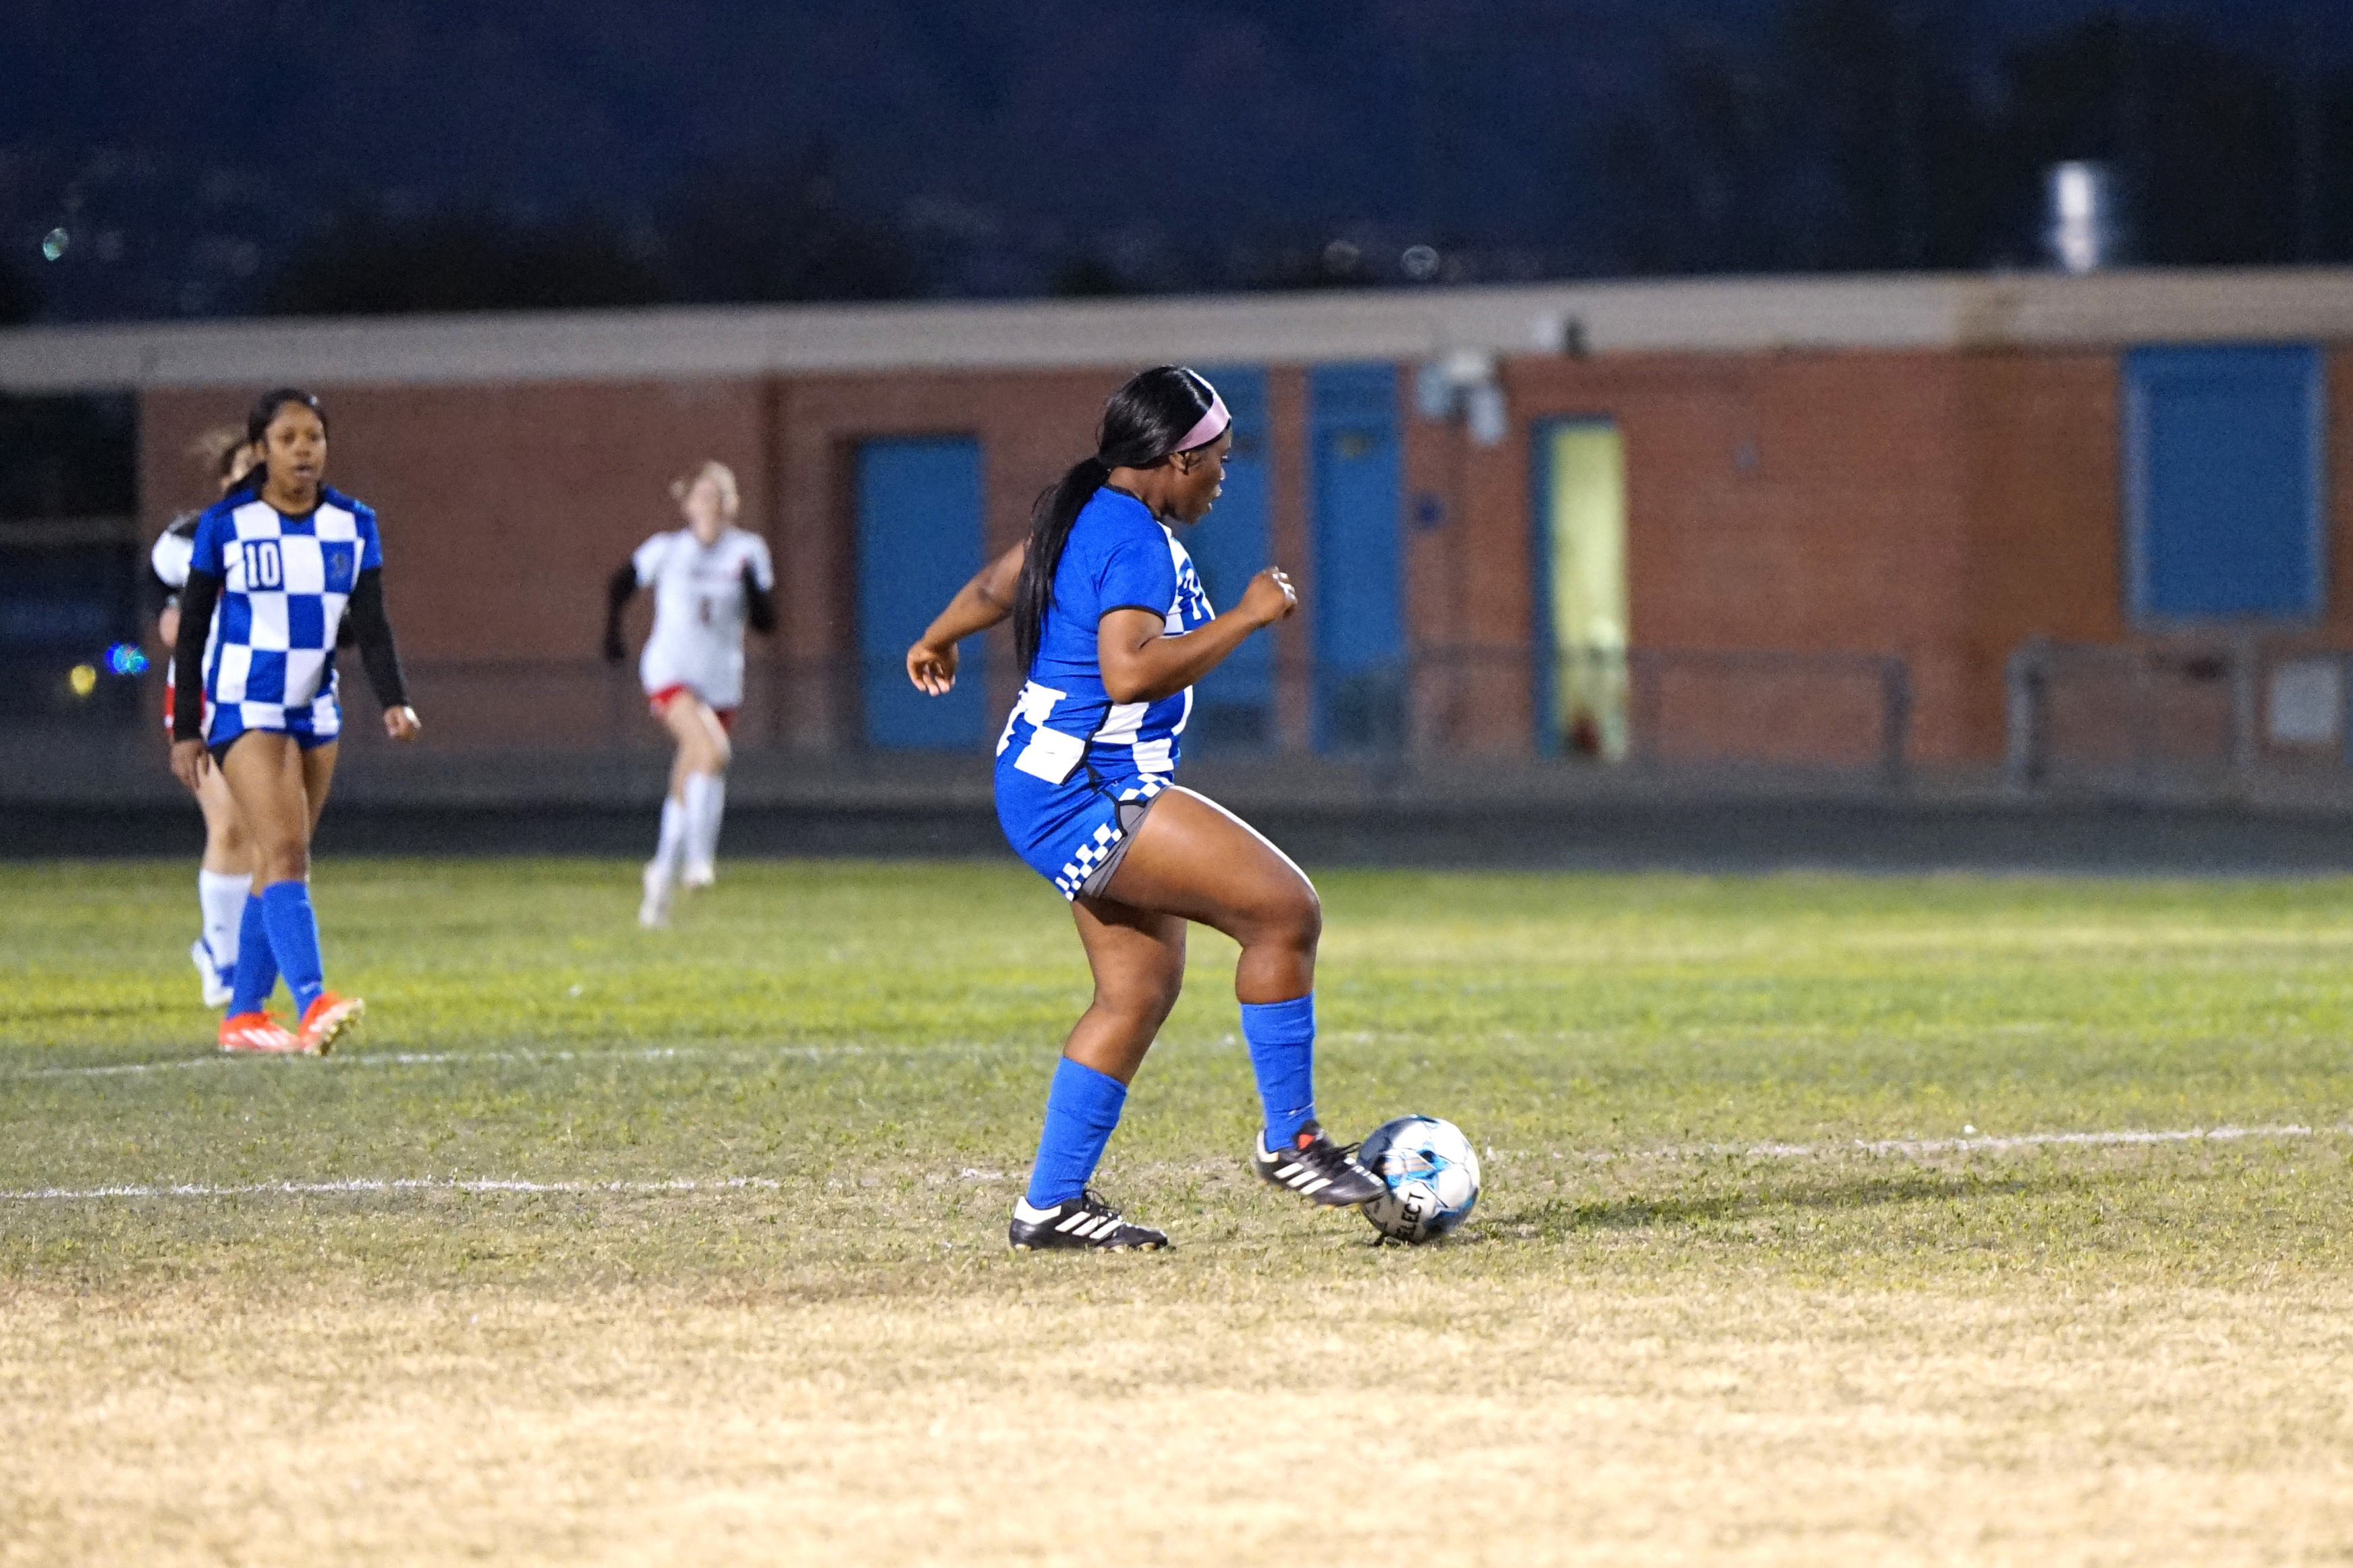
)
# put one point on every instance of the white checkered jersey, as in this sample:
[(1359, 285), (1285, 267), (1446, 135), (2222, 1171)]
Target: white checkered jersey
[(700, 611), (269, 663)]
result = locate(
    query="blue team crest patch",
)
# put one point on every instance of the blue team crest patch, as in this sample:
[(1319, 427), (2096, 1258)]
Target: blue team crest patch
[(342, 563)]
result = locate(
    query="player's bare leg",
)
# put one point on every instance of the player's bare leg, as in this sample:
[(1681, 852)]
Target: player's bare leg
[(264, 771), (1137, 957), (279, 790), (224, 881), (226, 850), (1194, 858), (318, 779), (700, 785), (695, 775)]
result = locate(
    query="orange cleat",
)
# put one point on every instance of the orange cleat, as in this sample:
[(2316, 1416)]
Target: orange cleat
[(327, 1016), (258, 1034)]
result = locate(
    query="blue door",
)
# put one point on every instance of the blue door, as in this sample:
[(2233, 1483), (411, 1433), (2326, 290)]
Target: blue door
[(1234, 703), (2222, 482), (919, 539), (1357, 595)]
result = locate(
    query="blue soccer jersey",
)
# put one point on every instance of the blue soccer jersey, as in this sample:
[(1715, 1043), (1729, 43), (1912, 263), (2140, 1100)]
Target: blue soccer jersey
[(269, 663), (1070, 758), (1119, 556)]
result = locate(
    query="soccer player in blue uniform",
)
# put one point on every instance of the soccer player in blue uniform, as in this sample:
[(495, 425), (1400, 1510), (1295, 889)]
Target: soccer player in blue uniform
[(283, 560), (1113, 630)]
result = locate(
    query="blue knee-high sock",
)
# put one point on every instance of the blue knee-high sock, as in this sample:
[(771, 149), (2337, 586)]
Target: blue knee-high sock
[(255, 975), (1281, 1038), (294, 940), (1081, 1108)]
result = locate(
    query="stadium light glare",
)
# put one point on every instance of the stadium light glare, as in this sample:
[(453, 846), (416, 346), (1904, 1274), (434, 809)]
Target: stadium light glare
[(2083, 232)]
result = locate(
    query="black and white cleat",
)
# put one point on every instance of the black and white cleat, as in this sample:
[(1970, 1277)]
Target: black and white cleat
[(1317, 1169), (1086, 1223)]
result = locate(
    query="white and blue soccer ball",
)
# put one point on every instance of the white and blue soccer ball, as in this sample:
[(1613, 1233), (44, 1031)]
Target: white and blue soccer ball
[(1432, 1174)]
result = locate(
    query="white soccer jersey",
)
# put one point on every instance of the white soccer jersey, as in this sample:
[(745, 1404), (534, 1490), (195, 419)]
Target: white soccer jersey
[(700, 611), (173, 548)]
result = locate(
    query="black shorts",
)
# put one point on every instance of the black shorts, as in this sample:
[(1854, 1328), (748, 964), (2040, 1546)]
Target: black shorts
[(302, 737)]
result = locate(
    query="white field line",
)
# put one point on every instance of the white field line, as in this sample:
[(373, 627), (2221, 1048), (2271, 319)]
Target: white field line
[(397, 1185), (456, 1058), (1900, 1147), (1989, 1144)]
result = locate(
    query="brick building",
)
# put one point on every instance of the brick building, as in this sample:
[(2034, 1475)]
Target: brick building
[(1697, 519)]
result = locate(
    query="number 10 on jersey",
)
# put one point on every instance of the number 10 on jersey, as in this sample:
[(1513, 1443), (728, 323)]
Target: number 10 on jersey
[(262, 569)]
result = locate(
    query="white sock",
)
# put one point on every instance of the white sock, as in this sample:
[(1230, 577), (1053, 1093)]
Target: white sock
[(706, 802), (673, 835), (222, 899)]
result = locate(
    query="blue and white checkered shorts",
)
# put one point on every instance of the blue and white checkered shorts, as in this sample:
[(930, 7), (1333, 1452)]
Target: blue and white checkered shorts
[(1074, 833)]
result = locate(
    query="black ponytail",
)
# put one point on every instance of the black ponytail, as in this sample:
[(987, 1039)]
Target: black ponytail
[(1141, 426)]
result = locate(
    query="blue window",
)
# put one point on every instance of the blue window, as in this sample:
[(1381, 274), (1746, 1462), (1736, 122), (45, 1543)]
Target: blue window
[(919, 539), (1356, 598), (2224, 515), (1234, 703)]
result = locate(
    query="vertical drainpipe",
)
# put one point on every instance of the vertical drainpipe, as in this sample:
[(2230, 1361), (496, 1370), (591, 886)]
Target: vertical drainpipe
[(2242, 703), (1896, 721), (2023, 681), (1291, 538), (782, 699)]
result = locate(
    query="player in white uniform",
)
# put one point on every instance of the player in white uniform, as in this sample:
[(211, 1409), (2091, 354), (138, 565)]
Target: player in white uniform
[(224, 876), (710, 580)]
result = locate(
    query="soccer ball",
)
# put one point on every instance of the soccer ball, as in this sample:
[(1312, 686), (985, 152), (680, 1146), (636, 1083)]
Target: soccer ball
[(1432, 1174)]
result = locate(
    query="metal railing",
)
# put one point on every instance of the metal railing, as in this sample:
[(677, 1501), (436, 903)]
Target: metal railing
[(2180, 717), (1676, 709), (1833, 709), (1461, 718)]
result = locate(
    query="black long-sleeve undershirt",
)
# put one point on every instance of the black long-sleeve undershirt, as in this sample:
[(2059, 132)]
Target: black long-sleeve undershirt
[(199, 596), (617, 590), (759, 605), (363, 616), (371, 629)]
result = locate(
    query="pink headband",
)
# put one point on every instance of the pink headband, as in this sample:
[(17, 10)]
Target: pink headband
[(1211, 424)]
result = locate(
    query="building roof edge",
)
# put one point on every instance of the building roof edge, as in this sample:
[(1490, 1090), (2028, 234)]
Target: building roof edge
[(1717, 315)]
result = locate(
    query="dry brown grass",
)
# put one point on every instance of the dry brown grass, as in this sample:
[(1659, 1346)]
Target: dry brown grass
[(1520, 1421)]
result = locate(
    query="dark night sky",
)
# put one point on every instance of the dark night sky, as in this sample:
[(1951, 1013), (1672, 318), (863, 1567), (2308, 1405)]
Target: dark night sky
[(189, 149)]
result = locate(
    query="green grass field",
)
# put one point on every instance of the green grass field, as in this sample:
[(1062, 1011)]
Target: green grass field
[(1763, 1272)]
